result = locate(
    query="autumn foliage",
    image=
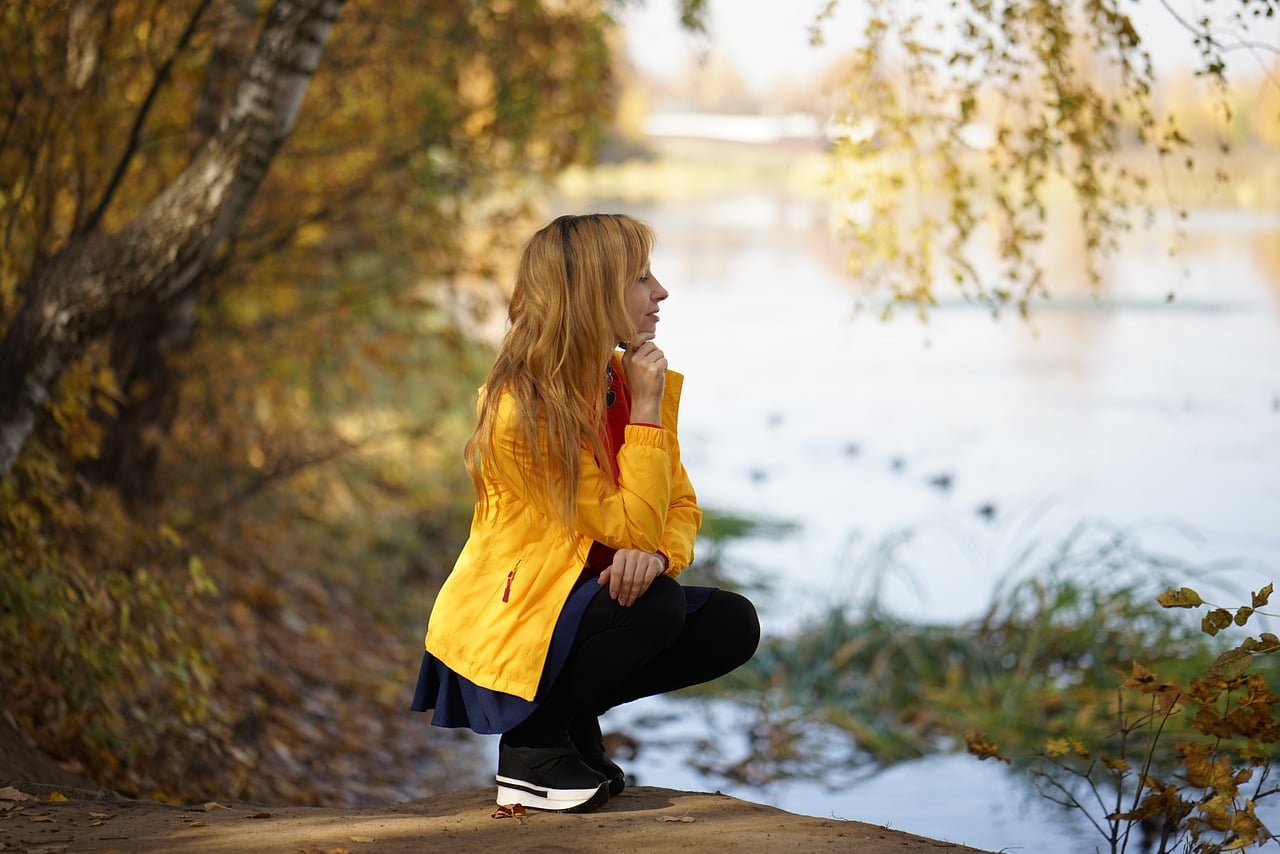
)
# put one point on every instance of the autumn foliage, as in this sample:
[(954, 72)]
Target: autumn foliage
[(218, 543), (1223, 729)]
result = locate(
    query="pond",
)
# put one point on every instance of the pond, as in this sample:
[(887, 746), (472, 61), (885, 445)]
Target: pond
[(972, 432), (917, 460)]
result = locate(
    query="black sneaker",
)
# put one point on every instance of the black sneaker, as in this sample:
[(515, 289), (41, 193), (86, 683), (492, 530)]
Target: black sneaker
[(586, 737), (549, 778)]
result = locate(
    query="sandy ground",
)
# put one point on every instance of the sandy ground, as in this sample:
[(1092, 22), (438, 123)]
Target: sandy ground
[(34, 821)]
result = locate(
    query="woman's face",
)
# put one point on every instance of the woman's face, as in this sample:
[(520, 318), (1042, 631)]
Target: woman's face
[(643, 296)]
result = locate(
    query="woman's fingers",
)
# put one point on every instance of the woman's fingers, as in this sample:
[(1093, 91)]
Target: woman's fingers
[(630, 575), (645, 367)]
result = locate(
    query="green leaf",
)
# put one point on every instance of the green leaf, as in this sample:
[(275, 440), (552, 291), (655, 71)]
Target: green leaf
[(1230, 665)]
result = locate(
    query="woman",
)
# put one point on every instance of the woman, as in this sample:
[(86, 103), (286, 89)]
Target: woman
[(564, 601)]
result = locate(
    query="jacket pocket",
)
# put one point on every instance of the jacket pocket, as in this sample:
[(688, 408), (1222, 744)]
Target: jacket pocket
[(511, 577)]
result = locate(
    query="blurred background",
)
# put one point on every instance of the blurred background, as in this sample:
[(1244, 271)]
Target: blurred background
[(980, 318)]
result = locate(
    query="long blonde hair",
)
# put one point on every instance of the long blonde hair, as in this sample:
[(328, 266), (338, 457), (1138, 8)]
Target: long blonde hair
[(567, 314)]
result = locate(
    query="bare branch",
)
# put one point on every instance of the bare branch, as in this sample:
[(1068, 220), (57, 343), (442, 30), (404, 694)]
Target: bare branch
[(140, 120)]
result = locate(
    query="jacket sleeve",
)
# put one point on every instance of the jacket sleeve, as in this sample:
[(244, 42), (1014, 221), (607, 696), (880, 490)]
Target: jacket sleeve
[(684, 518), (631, 514)]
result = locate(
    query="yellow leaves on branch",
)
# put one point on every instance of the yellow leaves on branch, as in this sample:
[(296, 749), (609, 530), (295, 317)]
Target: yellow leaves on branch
[(1162, 799), (1221, 814), (1206, 769), (984, 748), (1058, 747), (1166, 694), (1233, 663), (1185, 597)]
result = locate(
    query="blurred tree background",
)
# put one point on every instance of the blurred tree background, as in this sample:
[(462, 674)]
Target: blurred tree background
[(244, 469)]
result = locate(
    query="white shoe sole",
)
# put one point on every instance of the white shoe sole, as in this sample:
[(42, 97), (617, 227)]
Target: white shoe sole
[(513, 791)]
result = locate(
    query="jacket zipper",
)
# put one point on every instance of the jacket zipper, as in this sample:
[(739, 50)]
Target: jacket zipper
[(510, 577)]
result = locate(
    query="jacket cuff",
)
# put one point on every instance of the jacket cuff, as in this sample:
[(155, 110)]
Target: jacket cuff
[(646, 435)]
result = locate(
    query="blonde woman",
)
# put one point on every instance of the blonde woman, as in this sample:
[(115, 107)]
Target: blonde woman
[(564, 601)]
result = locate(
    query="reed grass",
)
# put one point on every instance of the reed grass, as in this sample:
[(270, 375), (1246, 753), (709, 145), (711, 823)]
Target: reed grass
[(1062, 628)]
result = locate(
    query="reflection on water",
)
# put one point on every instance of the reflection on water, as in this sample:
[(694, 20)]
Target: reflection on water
[(978, 436)]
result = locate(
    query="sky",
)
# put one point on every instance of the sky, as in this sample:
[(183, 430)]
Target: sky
[(768, 40)]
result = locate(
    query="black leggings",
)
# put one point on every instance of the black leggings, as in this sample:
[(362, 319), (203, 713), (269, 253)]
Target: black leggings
[(650, 647)]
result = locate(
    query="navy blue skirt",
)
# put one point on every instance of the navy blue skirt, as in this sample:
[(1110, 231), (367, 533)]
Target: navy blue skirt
[(459, 702)]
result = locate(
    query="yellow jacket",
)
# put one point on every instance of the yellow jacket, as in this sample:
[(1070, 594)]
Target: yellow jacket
[(493, 618)]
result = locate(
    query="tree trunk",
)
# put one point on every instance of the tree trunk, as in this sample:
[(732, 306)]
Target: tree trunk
[(142, 351), (140, 357), (99, 282)]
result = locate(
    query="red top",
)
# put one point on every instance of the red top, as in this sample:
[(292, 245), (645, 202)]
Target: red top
[(617, 415)]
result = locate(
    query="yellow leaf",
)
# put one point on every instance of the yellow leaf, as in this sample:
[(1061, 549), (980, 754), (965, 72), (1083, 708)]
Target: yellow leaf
[(1183, 598), (57, 797), (1055, 747), (983, 748), (1215, 621), (1260, 598)]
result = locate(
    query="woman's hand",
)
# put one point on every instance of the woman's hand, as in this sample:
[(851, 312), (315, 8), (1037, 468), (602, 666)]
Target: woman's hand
[(630, 574), (645, 368)]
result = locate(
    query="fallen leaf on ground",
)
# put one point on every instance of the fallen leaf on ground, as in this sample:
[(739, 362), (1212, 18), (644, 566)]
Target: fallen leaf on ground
[(103, 815), (9, 793), (686, 819), (214, 805), (39, 818), (360, 838), (196, 824), (261, 815), (509, 811), (57, 797)]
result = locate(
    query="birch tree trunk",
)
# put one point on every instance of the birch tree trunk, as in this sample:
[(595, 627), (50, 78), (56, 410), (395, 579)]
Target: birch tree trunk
[(143, 350), (99, 282)]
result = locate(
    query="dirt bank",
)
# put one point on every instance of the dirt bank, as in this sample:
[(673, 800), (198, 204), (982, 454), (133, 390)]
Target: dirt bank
[(34, 820)]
